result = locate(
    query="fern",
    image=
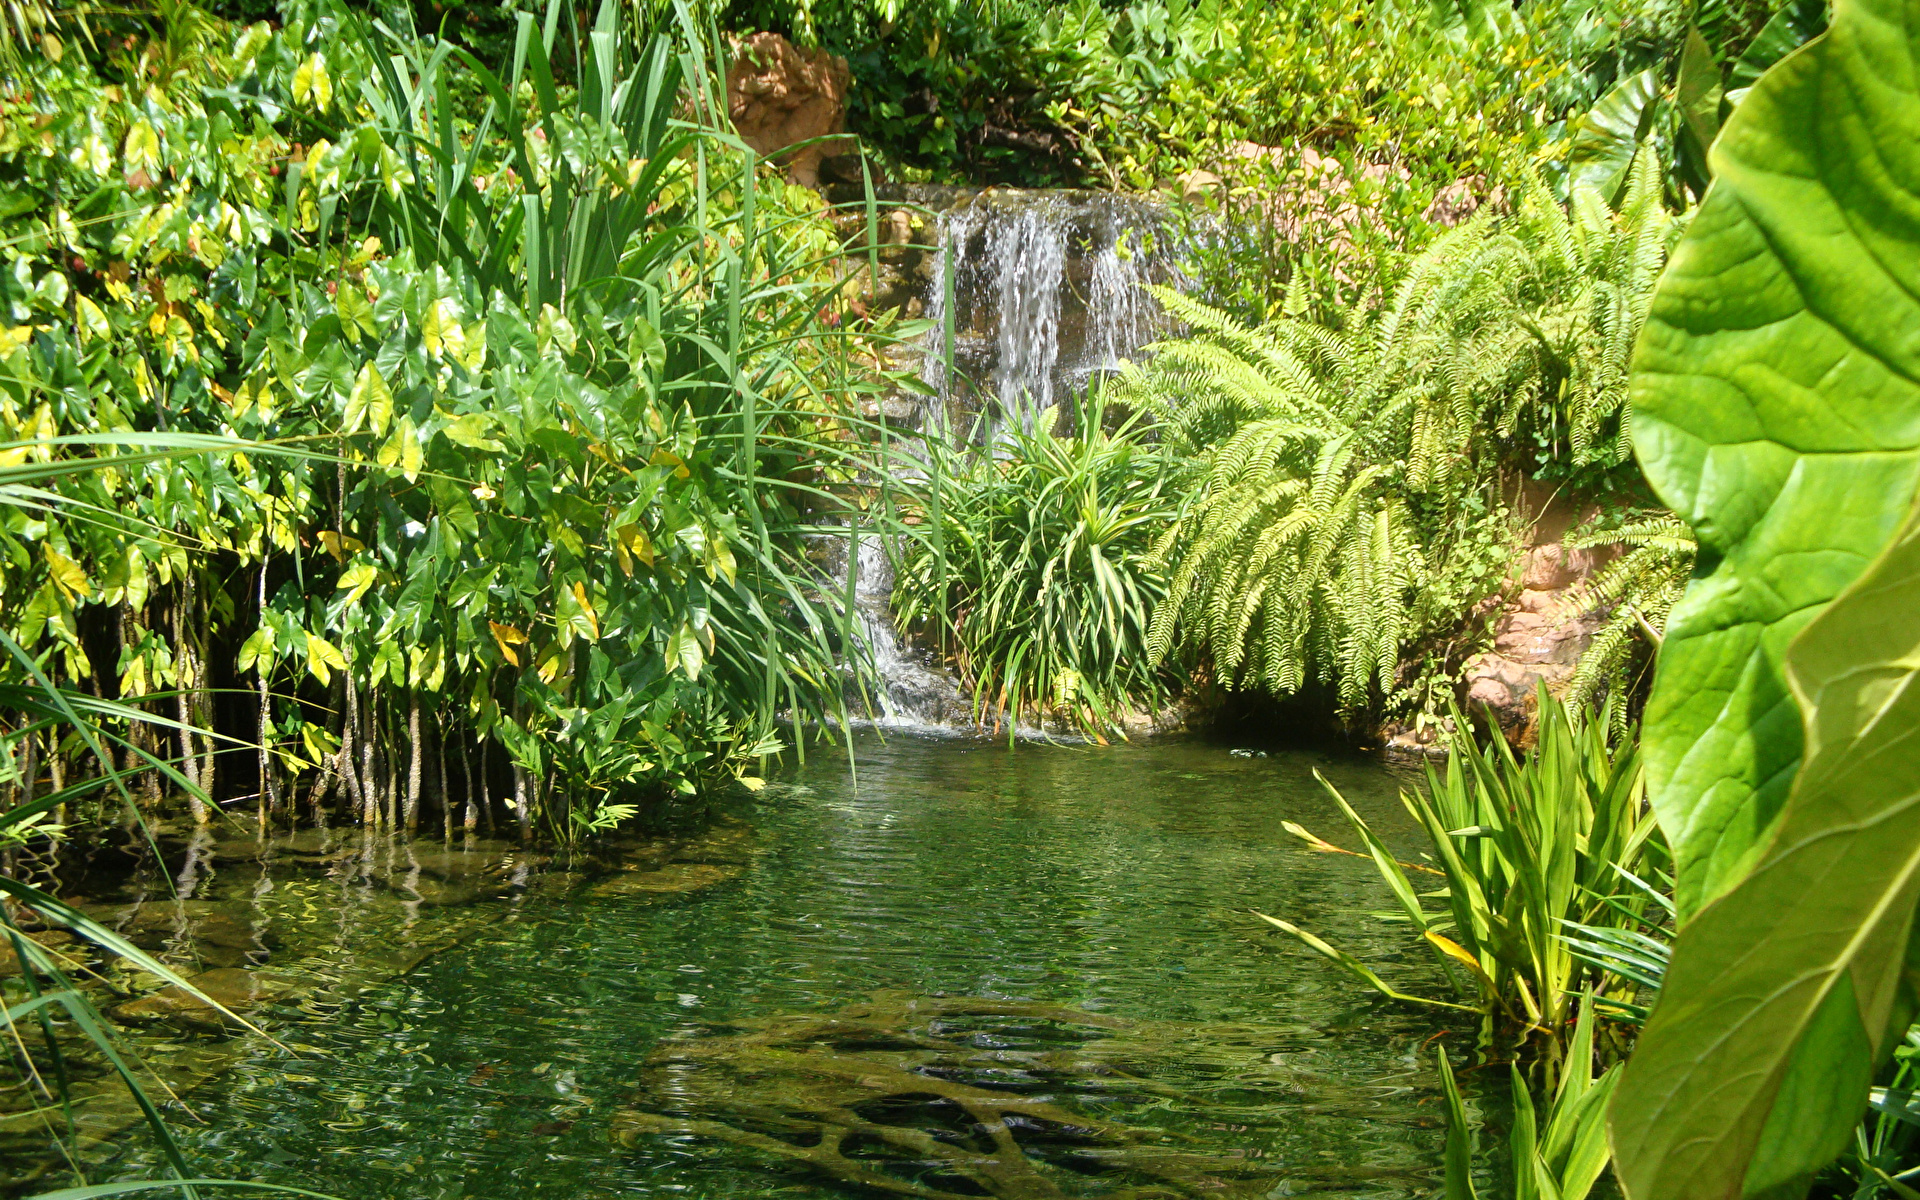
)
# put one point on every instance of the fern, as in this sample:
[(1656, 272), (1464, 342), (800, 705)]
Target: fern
[(1636, 592), (1328, 453)]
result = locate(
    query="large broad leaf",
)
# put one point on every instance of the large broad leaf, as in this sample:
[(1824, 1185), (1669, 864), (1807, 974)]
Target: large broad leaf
[(1786, 31), (1609, 135), (1783, 993), (1775, 409)]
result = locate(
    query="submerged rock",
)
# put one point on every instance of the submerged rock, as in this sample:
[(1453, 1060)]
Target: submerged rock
[(948, 1097), (235, 990), (56, 940), (670, 879)]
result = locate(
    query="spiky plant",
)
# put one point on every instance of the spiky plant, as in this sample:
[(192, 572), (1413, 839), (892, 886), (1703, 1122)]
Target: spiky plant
[(1042, 579)]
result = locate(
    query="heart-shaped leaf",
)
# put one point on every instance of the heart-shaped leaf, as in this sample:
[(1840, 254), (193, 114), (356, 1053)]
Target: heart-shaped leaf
[(1782, 995)]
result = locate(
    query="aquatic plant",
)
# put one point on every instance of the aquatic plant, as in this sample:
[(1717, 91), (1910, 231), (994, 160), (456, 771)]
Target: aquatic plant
[(1524, 844), (896, 1093), (1558, 1154)]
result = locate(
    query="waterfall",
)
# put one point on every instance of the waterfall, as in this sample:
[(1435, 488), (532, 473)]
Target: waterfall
[(1028, 252), (914, 694), (1046, 294)]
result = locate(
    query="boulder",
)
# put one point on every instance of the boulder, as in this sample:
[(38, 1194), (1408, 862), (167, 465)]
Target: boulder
[(780, 96)]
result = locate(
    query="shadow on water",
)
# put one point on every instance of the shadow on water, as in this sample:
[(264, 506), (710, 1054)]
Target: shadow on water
[(973, 971)]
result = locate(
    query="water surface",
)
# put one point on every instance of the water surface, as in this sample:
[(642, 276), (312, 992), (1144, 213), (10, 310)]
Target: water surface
[(1115, 880)]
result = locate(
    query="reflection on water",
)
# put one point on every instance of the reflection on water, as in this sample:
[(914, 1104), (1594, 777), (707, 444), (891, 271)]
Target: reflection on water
[(536, 1055)]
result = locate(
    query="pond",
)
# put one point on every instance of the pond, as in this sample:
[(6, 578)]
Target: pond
[(838, 987)]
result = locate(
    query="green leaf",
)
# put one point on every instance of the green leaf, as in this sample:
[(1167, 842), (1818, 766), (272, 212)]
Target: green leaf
[(322, 655), (471, 431), (1697, 91), (350, 304), (370, 402), (645, 347), (1353, 966), (257, 650), (1610, 134), (1784, 32), (684, 652), (1458, 1156), (1785, 992), (1775, 409), (356, 579)]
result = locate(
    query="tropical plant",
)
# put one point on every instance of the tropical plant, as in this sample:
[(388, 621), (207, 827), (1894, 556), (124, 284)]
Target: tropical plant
[(1041, 573), (1588, 277), (579, 358), (1556, 1155), (1679, 102), (1780, 722), (1523, 845)]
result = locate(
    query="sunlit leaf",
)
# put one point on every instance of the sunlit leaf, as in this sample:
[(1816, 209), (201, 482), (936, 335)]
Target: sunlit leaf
[(67, 575), (356, 579), (370, 402), (1775, 409), (322, 657), (684, 652), (507, 637), (1754, 1067)]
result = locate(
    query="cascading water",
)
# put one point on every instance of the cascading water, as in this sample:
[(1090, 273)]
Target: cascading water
[(1028, 251), (913, 693), (1046, 293)]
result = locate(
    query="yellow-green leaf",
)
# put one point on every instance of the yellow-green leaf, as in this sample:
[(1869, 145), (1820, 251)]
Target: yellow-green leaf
[(410, 453), (471, 430), (507, 637), (67, 575), (312, 85), (684, 652), (322, 656), (369, 403), (356, 579)]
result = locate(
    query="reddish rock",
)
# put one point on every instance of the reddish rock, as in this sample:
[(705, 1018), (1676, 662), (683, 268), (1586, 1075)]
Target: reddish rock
[(1546, 626), (779, 96)]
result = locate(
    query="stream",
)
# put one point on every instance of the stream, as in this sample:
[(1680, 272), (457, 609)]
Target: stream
[(1057, 932)]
